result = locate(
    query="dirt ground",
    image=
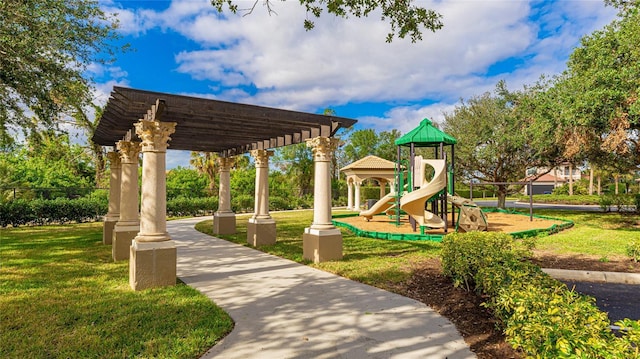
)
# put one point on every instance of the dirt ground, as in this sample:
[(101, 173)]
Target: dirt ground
[(476, 324), (498, 222)]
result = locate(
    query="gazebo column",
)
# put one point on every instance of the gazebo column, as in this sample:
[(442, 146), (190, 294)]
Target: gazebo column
[(349, 195), (153, 253), (261, 229), (224, 220), (113, 214), (383, 185), (322, 241), (128, 224), (357, 204)]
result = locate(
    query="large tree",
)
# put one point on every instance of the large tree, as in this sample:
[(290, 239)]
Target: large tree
[(45, 49), (404, 17), (494, 140), (601, 88)]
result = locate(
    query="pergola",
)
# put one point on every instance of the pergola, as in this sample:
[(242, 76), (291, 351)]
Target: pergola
[(136, 121)]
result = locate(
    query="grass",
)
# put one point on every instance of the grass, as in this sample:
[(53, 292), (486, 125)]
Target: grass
[(61, 295), (372, 261), (382, 263), (594, 233)]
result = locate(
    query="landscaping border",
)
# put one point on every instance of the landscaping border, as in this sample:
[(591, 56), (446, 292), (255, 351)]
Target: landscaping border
[(438, 237)]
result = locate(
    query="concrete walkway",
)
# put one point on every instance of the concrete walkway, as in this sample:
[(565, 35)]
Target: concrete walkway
[(283, 309)]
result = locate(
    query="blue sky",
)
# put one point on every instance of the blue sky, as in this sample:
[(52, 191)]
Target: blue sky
[(186, 47)]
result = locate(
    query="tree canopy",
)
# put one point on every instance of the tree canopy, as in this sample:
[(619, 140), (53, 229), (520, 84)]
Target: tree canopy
[(45, 49), (494, 141), (404, 17)]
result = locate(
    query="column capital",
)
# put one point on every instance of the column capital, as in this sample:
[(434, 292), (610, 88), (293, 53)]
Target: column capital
[(154, 134), (261, 157), (114, 160), (225, 163), (322, 147), (129, 151)]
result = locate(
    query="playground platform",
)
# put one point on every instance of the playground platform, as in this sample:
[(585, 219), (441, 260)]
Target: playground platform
[(283, 309)]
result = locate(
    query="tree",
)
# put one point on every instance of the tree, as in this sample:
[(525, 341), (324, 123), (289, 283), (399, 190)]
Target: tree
[(362, 143), (45, 48), (47, 162), (601, 87), (186, 182), (206, 163), (297, 162), (494, 141), (405, 18)]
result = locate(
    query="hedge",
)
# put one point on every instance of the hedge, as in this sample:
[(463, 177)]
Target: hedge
[(59, 210), (539, 315)]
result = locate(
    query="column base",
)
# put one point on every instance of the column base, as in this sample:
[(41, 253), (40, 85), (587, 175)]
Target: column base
[(122, 237), (224, 223), (322, 245), (107, 231), (152, 264), (261, 232)]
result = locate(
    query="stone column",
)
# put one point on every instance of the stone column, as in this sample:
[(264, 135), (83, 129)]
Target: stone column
[(261, 229), (322, 241), (357, 205), (153, 253), (349, 195), (128, 224), (224, 220), (113, 214)]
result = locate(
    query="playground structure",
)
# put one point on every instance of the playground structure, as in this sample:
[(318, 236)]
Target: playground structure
[(413, 194)]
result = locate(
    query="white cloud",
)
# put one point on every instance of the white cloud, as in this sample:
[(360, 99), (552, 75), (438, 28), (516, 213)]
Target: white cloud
[(343, 61)]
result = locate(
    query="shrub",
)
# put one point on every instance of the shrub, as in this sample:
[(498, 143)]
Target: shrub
[(633, 250), (181, 206), (605, 203), (540, 316)]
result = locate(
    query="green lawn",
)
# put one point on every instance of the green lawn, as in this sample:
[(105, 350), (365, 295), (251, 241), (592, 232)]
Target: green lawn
[(62, 296), (382, 263), (376, 262), (595, 233)]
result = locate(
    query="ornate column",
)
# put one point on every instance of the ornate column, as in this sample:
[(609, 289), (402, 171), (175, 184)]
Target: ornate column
[(153, 254), (356, 207), (261, 229), (113, 214), (128, 224), (322, 241), (224, 220), (349, 195)]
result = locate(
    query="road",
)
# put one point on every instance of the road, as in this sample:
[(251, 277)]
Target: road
[(619, 300), (515, 204)]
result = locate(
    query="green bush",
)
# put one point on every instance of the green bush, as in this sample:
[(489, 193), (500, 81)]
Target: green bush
[(633, 250), (59, 210), (622, 202), (182, 206), (539, 315)]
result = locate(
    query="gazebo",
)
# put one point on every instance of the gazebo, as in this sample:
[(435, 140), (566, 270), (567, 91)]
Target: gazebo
[(137, 121), (374, 167)]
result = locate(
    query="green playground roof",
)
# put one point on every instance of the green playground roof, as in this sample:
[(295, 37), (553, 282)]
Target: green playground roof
[(425, 135)]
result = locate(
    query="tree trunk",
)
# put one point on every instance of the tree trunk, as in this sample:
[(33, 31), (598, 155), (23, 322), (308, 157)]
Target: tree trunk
[(615, 178), (599, 185), (570, 179), (590, 180), (502, 196), (99, 162)]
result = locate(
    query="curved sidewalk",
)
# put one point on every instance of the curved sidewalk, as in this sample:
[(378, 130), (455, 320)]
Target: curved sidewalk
[(283, 309)]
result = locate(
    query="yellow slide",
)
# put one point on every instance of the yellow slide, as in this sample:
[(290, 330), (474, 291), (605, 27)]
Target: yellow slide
[(414, 203), (382, 205)]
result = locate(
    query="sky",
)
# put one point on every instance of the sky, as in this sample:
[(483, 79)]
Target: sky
[(185, 47)]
